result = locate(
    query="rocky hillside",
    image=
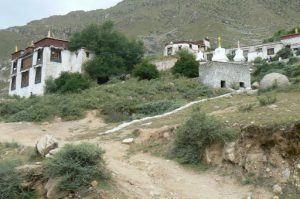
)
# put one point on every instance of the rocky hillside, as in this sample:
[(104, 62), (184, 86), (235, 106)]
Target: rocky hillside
[(159, 21)]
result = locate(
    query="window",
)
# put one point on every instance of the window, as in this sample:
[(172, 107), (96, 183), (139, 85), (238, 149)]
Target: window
[(15, 66), (55, 55), (13, 83), (87, 54), (180, 47), (40, 56), (25, 79), (259, 50), (38, 75), (209, 57), (242, 84), (169, 51), (271, 51), (223, 84), (191, 46), (245, 53), (26, 63)]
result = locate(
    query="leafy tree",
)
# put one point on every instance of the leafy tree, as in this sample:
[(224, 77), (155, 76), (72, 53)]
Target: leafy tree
[(277, 35), (284, 53), (68, 83), (115, 54), (186, 65), (146, 70)]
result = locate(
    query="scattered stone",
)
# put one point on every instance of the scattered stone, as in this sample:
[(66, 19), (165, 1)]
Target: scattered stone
[(128, 141), (298, 166), (275, 197), (255, 85), (53, 152), (252, 92), (286, 173), (274, 79), (277, 189), (53, 191), (229, 151), (31, 174), (268, 170), (273, 107), (46, 144), (94, 183)]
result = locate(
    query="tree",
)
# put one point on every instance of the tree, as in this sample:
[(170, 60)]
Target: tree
[(284, 53), (115, 54), (145, 70), (186, 65)]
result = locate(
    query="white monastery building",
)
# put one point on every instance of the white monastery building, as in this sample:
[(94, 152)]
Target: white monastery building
[(192, 46), (46, 58)]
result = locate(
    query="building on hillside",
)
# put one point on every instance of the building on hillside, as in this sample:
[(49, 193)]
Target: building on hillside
[(192, 46), (220, 73), (269, 50), (48, 57)]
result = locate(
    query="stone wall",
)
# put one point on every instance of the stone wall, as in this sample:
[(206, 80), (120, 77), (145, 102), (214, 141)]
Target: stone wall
[(163, 65), (230, 73)]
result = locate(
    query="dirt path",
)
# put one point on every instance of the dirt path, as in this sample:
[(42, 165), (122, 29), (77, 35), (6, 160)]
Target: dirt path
[(148, 177), (140, 176)]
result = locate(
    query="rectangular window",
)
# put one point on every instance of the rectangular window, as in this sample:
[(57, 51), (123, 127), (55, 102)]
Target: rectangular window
[(170, 50), (55, 55), (39, 56), (15, 66), (25, 79), (242, 84), (38, 75), (271, 51), (13, 83), (209, 57), (191, 46), (26, 63), (87, 54), (245, 53), (223, 84), (180, 47), (259, 50)]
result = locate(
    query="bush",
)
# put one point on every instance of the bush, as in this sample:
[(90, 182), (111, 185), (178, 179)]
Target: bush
[(186, 65), (72, 82), (50, 85), (158, 107), (10, 183), (284, 53), (146, 71), (298, 52), (77, 166), (267, 100), (246, 107), (197, 133)]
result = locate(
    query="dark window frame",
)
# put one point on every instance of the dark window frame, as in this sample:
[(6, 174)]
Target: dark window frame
[(39, 59), (272, 50), (25, 83), (38, 75), (57, 59), (23, 66), (13, 83), (14, 67)]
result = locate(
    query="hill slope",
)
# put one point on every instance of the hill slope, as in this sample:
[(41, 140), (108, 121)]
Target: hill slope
[(158, 21)]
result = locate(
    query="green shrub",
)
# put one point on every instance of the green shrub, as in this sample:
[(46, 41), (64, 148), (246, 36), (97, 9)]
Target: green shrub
[(197, 133), (267, 100), (146, 71), (246, 107), (157, 107), (186, 65), (77, 166), (10, 183), (50, 85), (285, 53), (298, 52), (293, 60), (72, 82)]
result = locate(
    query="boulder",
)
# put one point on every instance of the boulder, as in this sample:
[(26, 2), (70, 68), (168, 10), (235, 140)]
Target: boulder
[(229, 152), (272, 79), (128, 141), (53, 152), (255, 85), (277, 189), (46, 144)]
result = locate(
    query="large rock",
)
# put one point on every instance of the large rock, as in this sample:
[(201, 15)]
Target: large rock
[(46, 144), (272, 79)]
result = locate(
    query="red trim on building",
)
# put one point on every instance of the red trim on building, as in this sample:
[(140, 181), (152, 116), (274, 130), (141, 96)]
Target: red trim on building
[(201, 42), (16, 55), (46, 42), (290, 36)]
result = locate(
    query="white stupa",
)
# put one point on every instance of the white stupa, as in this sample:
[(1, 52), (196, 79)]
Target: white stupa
[(220, 53), (239, 55), (200, 56)]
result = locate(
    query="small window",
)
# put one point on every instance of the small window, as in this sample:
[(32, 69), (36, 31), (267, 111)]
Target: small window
[(40, 56), (209, 57), (180, 47), (259, 50), (87, 54), (25, 79), (169, 51), (13, 83), (191, 46), (26, 63), (271, 51), (55, 55), (15, 66), (242, 84), (38, 75), (245, 53), (223, 84)]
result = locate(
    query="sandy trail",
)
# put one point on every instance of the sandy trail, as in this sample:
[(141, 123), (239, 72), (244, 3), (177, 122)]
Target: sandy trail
[(140, 176)]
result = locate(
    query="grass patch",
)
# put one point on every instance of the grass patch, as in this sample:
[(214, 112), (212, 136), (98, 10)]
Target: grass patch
[(246, 107), (267, 100)]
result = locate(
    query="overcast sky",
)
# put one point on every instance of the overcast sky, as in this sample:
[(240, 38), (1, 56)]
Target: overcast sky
[(20, 12)]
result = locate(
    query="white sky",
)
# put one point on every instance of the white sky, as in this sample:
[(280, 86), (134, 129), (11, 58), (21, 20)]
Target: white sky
[(20, 12)]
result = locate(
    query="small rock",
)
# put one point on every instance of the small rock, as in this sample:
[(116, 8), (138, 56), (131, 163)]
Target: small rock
[(277, 189), (275, 197), (255, 85), (273, 106), (298, 166), (128, 141), (94, 183), (53, 191), (229, 152), (286, 173), (268, 170), (46, 144)]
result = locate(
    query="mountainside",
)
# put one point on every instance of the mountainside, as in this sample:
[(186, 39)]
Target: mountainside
[(160, 21)]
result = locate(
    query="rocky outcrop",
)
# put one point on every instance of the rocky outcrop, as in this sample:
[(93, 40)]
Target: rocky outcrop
[(46, 144), (274, 79)]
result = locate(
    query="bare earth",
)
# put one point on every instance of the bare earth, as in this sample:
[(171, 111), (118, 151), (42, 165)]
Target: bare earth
[(140, 176)]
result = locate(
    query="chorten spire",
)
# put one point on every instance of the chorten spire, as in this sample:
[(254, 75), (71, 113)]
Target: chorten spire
[(239, 46), (49, 33), (220, 42), (296, 31), (16, 49)]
